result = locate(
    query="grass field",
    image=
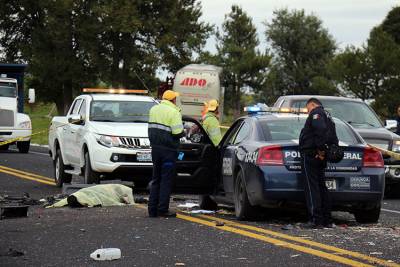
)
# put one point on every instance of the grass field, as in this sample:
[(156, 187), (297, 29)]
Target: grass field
[(41, 115)]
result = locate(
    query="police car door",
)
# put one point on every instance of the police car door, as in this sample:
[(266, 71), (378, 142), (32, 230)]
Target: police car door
[(229, 150), (197, 158)]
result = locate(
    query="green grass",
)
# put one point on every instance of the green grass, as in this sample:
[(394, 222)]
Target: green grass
[(41, 115)]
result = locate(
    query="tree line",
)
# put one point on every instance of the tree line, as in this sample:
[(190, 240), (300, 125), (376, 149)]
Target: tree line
[(70, 44)]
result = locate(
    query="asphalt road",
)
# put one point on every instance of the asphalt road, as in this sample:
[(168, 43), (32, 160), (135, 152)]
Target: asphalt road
[(66, 237)]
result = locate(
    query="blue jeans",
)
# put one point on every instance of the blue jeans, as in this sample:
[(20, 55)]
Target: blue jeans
[(164, 170)]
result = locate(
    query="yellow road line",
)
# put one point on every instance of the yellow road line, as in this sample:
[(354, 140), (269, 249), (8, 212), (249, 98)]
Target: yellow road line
[(26, 173), (304, 241), (275, 242), (27, 177)]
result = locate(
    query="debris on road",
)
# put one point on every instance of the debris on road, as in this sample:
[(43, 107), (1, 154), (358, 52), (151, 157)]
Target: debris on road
[(106, 254), (13, 211), (188, 205), (12, 253), (141, 200), (219, 223), (295, 255), (103, 195), (287, 227), (202, 212), (180, 264)]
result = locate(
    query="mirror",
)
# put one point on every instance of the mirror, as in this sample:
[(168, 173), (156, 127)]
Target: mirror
[(391, 125), (75, 119), (31, 96)]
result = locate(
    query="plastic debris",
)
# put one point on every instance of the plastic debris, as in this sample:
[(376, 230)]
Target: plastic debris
[(106, 254), (295, 255), (202, 212), (219, 223), (376, 253), (287, 227), (188, 205), (371, 243), (180, 264)]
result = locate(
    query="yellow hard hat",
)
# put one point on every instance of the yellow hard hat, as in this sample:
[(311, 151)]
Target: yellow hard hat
[(212, 105), (170, 95)]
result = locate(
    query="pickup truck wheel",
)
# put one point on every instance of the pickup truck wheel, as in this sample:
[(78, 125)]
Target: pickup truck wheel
[(243, 209), (368, 216), (60, 176), (90, 176), (23, 146), (4, 147), (206, 203)]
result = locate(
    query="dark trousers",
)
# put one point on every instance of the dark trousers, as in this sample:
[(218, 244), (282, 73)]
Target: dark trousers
[(164, 170), (316, 193)]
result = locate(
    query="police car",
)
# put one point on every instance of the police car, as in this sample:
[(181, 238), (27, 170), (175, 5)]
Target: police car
[(259, 166)]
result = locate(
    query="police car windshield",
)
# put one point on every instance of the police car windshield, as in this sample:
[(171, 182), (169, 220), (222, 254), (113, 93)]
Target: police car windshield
[(288, 129), (357, 114), (8, 89), (120, 111)]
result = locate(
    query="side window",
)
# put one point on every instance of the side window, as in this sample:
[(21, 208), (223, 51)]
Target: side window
[(243, 133), (82, 110), (75, 107), (285, 104), (230, 136)]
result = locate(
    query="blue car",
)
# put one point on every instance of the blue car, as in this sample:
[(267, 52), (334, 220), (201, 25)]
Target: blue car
[(258, 165)]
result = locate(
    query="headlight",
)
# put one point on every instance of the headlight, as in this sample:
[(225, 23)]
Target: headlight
[(108, 141), (25, 125), (396, 146)]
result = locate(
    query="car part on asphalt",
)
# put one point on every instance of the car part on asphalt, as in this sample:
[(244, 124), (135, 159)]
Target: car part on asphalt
[(106, 254)]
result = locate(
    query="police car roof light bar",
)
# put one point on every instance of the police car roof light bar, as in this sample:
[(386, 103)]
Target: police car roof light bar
[(114, 91), (256, 109)]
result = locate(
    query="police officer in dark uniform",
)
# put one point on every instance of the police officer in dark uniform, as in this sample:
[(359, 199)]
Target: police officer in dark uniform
[(313, 140)]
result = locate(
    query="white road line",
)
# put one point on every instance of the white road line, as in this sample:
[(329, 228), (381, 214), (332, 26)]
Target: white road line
[(393, 211)]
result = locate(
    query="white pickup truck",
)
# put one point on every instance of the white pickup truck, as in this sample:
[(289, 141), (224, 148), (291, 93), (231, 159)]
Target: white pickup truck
[(102, 135)]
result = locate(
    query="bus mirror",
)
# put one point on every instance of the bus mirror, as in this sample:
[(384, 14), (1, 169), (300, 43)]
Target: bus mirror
[(31, 96)]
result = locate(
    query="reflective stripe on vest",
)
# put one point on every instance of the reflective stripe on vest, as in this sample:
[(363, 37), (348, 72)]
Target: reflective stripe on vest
[(160, 126)]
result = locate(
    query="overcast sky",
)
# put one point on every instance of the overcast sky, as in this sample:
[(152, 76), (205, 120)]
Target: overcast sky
[(348, 21)]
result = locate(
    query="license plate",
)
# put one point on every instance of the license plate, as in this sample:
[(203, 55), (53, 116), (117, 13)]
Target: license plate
[(331, 184), (360, 183), (143, 157)]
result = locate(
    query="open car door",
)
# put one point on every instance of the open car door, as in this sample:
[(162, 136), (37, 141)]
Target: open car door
[(197, 164)]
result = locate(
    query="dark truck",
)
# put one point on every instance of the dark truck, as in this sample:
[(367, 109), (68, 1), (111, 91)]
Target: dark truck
[(365, 121)]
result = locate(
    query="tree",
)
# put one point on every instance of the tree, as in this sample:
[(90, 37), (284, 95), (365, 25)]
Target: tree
[(244, 65), (70, 44), (391, 24), (302, 50)]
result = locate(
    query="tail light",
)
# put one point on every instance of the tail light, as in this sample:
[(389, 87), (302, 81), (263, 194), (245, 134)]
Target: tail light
[(372, 158), (270, 155)]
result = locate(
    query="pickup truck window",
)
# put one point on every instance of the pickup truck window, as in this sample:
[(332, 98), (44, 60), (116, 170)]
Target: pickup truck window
[(355, 113), (8, 89), (120, 111), (75, 107), (82, 110)]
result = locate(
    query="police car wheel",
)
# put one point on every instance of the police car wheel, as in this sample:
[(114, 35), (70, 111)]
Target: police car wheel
[(243, 209), (368, 216), (90, 176), (60, 176), (206, 203)]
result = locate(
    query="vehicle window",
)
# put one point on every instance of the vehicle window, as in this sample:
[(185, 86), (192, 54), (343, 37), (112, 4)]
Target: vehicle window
[(232, 133), (82, 110), (75, 107), (8, 89), (120, 111), (287, 129), (357, 114), (285, 104), (192, 133), (243, 133)]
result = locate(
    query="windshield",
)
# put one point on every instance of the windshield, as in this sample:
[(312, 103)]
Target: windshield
[(120, 111), (286, 129), (8, 89), (358, 114)]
